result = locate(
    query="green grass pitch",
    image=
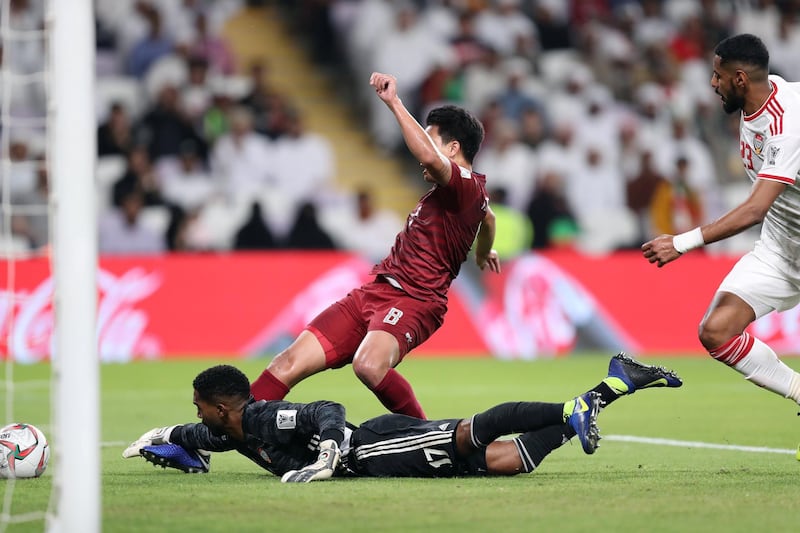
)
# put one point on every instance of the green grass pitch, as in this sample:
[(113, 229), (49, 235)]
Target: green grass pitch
[(625, 486)]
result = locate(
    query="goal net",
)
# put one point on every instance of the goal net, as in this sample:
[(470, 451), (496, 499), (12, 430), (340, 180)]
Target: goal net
[(48, 220)]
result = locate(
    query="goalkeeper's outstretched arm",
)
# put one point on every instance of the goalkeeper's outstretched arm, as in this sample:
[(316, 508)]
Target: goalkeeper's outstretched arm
[(190, 436)]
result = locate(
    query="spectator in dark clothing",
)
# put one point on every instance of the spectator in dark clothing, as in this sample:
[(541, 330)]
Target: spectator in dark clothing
[(306, 233), (550, 212), (254, 234), (640, 192), (554, 31), (267, 105), (140, 176), (165, 127), (115, 136), (176, 229)]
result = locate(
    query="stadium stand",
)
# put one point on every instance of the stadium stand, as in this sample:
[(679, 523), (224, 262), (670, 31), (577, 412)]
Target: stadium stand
[(569, 90)]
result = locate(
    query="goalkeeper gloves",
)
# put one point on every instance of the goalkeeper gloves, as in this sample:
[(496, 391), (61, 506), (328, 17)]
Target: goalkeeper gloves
[(327, 461), (153, 437)]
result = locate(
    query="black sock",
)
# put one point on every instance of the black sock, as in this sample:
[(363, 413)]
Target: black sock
[(607, 394), (514, 417), (534, 446)]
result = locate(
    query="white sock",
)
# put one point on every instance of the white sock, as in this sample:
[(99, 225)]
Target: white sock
[(762, 366)]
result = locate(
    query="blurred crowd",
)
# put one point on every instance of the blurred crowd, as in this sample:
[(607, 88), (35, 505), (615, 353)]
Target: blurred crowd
[(197, 151), (602, 129)]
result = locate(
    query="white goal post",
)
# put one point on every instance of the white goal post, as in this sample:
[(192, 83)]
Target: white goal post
[(72, 154)]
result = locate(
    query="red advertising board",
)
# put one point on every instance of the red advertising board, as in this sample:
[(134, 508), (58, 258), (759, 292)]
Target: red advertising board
[(542, 305)]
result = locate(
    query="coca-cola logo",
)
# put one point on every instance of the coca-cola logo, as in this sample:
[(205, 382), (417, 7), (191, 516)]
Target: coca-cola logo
[(543, 311), (27, 318)]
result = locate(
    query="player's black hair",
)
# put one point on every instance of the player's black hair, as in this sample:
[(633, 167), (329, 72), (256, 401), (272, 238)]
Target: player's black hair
[(221, 381), (743, 48), (457, 124)]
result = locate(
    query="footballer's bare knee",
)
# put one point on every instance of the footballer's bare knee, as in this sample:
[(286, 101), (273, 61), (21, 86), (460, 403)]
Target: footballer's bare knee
[(727, 317), (282, 367), (370, 367), (303, 358), (377, 353), (714, 332), (717, 329)]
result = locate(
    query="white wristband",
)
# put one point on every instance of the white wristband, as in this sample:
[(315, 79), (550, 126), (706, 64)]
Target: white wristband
[(688, 241)]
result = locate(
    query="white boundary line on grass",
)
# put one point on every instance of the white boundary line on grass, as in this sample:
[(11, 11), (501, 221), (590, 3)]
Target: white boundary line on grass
[(628, 438), (694, 444)]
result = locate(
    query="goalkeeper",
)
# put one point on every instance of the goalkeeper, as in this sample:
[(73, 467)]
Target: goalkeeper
[(309, 442)]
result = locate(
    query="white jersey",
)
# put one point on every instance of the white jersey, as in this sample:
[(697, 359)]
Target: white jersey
[(770, 150)]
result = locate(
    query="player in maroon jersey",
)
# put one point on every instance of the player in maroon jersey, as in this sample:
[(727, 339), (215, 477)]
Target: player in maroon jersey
[(377, 324)]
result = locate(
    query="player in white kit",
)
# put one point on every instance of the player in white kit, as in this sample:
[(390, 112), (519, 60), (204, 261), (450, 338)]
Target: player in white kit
[(767, 278)]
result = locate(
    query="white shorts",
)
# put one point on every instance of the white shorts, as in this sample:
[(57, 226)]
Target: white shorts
[(758, 279)]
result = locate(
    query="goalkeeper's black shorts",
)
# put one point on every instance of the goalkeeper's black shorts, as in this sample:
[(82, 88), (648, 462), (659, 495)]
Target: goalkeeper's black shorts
[(396, 445)]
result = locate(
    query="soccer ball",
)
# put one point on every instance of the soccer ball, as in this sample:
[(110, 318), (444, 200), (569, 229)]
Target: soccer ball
[(24, 451)]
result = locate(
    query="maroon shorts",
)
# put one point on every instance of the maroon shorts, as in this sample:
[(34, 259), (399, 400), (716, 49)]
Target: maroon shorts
[(374, 306)]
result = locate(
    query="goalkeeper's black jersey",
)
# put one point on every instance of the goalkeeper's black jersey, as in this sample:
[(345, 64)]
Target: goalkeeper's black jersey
[(282, 436), (279, 436)]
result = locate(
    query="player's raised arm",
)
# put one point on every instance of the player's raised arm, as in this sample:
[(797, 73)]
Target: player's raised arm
[(416, 138), (666, 248)]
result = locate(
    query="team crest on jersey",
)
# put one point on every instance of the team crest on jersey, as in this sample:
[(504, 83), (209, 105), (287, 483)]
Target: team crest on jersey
[(772, 156), (758, 143), (287, 418)]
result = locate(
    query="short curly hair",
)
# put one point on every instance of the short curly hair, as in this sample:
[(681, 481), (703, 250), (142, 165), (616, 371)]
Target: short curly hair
[(744, 48), (221, 381)]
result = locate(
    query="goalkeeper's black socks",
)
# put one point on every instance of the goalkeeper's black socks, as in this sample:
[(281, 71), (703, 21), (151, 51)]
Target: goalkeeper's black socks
[(607, 394), (534, 446), (522, 417), (514, 417)]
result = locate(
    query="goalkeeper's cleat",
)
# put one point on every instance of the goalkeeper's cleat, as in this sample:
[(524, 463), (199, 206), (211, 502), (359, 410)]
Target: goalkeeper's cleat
[(176, 456), (627, 375), (583, 419)]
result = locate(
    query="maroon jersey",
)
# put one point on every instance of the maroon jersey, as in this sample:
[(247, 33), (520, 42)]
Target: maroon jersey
[(427, 254)]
